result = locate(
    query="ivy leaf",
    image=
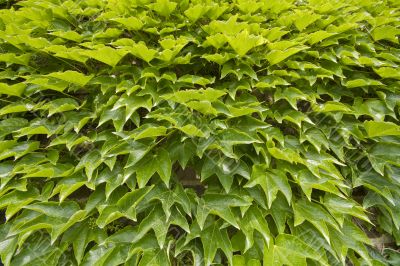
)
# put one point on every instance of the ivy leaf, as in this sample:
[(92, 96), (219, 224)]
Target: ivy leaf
[(60, 105), (198, 80), (90, 162), (387, 72), (149, 132), (213, 238), (220, 205), (304, 19), (199, 132), (308, 181), (239, 71), (125, 207), (132, 103), (276, 56), (271, 182), (7, 126), (220, 58), (13, 90), (362, 82), (186, 96), (217, 40), (81, 234), (16, 108), (318, 36), (285, 244), (72, 77), (164, 7), (316, 215), (377, 129), (16, 200), (100, 255), (55, 209), (339, 207), (243, 42), (204, 107), (130, 23), (152, 163), (69, 35), (8, 246), (17, 150), (386, 32), (106, 55), (254, 220), (11, 58), (164, 166), (153, 257), (68, 185), (225, 168), (192, 130), (155, 221), (195, 12), (141, 50)]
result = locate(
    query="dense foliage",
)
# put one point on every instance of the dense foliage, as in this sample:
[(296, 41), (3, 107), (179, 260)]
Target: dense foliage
[(139, 132)]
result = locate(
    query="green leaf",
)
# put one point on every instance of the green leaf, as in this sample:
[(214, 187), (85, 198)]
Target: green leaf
[(388, 72), (198, 80), (90, 161), (362, 83), (152, 163), (192, 130), (234, 137), (213, 238), (217, 40), (130, 23), (60, 105), (125, 207), (386, 32), (16, 107), (277, 254), (316, 215), (141, 50), (164, 7), (271, 182), (55, 209), (17, 150), (204, 107), (220, 205), (276, 56), (69, 35), (105, 54), (155, 221), (72, 77), (149, 132), (132, 103), (377, 129), (11, 58), (186, 96), (16, 200), (304, 19), (254, 220), (339, 207), (238, 70), (195, 12), (164, 166), (13, 90), (243, 42), (318, 36), (7, 126)]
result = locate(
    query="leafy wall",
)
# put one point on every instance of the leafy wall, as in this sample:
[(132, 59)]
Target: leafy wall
[(195, 132)]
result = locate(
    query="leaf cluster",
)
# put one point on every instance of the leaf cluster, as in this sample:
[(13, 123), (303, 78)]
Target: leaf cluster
[(141, 132)]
